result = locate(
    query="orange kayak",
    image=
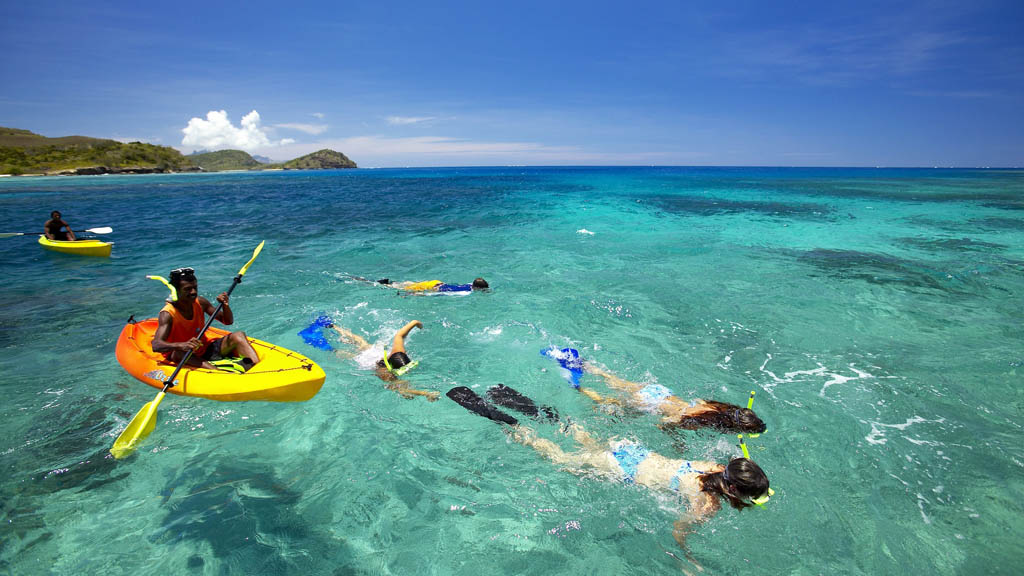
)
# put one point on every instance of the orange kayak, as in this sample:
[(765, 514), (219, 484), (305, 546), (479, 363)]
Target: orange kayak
[(280, 376)]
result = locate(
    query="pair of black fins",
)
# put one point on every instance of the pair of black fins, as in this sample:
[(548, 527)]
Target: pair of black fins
[(505, 397)]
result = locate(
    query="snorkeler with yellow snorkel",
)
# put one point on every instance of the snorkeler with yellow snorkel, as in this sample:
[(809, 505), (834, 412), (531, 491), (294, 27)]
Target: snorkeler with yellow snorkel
[(701, 484)]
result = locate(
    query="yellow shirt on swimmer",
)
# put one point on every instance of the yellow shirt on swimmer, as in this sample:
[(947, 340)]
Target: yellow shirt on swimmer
[(422, 286)]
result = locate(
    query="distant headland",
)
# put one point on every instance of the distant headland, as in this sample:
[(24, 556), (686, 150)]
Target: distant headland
[(25, 153)]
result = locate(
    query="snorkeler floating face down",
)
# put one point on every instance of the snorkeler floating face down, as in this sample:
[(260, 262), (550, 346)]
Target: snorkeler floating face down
[(742, 479)]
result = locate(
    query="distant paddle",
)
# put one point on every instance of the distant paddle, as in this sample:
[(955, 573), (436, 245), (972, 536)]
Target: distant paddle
[(145, 421), (101, 230)]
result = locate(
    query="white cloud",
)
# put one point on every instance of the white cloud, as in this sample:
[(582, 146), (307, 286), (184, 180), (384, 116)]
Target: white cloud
[(313, 129), (405, 120), (318, 115), (217, 133)]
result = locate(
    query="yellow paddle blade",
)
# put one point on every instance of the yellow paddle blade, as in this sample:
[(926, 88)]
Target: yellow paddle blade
[(255, 253), (137, 429)]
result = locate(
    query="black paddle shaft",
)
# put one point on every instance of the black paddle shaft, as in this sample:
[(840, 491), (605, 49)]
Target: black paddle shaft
[(169, 383)]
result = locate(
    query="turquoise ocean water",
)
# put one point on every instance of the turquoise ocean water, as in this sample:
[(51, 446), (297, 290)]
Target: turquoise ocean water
[(878, 313)]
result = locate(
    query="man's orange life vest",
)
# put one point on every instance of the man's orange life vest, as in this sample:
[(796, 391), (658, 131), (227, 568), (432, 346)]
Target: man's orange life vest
[(183, 329)]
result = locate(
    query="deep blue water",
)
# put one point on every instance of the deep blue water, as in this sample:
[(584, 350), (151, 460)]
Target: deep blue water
[(876, 312)]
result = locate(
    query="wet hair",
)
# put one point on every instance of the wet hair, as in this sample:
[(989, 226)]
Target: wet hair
[(741, 479), (396, 360), (480, 283), (724, 417), (57, 212)]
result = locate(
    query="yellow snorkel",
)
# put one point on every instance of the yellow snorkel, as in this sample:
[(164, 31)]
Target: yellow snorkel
[(174, 291), (761, 500), (750, 404)]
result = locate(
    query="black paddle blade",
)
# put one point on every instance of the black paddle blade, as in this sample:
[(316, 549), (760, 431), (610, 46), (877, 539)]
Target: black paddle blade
[(507, 397), (474, 403)]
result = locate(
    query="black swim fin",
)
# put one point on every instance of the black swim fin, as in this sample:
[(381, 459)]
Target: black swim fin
[(507, 397), (474, 403)]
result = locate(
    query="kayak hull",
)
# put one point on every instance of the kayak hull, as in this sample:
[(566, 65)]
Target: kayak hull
[(80, 247), (280, 376)]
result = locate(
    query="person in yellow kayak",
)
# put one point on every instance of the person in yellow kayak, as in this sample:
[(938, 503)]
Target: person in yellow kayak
[(54, 228), (436, 286), (393, 365), (182, 319)]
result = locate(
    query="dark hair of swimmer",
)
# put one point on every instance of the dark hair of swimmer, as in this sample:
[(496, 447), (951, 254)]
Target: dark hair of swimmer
[(479, 284), (742, 479), (397, 360), (55, 214), (724, 417)]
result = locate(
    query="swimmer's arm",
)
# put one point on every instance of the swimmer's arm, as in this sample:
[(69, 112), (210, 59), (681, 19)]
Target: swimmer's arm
[(402, 387), (398, 344), (700, 510)]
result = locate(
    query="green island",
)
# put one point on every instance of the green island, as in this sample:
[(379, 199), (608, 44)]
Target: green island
[(25, 153)]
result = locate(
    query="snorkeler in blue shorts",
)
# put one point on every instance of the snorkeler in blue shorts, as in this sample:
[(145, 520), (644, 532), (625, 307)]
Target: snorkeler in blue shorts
[(676, 412), (702, 484)]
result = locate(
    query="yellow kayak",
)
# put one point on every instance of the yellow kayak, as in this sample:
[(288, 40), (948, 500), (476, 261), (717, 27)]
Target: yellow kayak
[(280, 376), (81, 247)]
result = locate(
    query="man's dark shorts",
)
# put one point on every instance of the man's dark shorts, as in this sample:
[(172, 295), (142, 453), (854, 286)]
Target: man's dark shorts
[(213, 350)]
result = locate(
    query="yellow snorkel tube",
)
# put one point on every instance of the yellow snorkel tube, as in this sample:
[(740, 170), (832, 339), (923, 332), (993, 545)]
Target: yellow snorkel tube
[(174, 291), (750, 404), (761, 500)]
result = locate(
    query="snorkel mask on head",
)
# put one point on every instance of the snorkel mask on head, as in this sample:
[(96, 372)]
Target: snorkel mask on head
[(401, 370), (764, 498)]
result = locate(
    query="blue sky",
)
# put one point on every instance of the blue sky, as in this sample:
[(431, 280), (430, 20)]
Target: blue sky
[(530, 83)]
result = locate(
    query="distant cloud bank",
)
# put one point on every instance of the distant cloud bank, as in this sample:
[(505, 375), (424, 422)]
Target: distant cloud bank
[(313, 129), (216, 133), (405, 120)]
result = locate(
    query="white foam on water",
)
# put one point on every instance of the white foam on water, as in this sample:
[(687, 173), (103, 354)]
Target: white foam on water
[(834, 376), (877, 435), (584, 231), (921, 501), (367, 359)]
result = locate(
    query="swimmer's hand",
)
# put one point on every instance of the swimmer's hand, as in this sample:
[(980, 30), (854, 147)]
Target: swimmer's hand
[(432, 396)]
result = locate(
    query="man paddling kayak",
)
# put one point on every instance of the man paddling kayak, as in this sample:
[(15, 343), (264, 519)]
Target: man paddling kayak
[(53, 229), (182, 319)]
